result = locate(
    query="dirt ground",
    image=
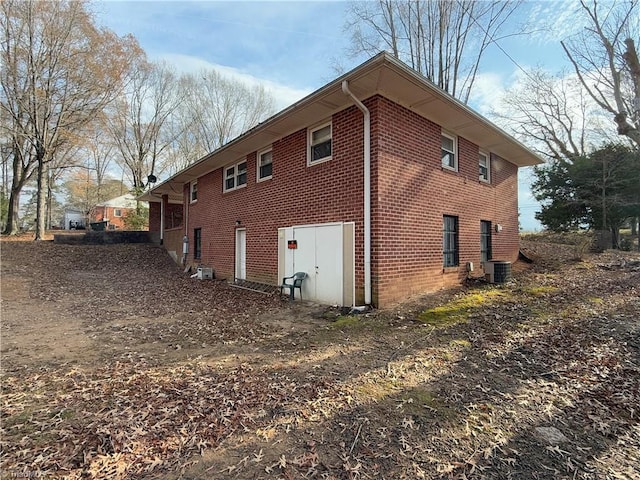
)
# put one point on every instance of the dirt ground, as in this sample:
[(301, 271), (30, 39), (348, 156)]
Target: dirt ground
[(115, 364)]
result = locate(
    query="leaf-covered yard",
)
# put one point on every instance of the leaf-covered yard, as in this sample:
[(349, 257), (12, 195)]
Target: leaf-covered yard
[(117, 365)]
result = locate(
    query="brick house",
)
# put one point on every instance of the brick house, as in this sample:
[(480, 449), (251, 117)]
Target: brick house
[(378, 185), (114, 211)]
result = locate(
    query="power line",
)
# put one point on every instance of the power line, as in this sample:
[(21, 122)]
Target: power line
[(495, 42)]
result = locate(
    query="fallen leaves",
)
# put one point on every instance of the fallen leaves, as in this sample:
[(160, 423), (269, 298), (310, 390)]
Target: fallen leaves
[(131, 419), (189, 369)]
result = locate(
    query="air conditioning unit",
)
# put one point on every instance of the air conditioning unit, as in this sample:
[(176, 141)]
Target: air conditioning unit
[(205, 273), (488, 271), (497, 271)]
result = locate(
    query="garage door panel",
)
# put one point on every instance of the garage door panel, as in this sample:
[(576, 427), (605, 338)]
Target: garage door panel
[(329, 264), (304, 259)]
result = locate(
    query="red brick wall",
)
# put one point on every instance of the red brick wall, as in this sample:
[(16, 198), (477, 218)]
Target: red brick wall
[(413, 193), (410, 194), (108, 213), (173, 214), (154, 216), (296, 195)]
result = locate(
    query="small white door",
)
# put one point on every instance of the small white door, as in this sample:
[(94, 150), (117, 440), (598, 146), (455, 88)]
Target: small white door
[(241, 253)]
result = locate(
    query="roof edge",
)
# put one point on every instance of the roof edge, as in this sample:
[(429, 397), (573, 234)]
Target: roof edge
[(380, 59)]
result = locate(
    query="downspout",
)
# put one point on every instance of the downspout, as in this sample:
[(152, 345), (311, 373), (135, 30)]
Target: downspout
[(185, 239), (186, 202), (162, 220), (367, 192)]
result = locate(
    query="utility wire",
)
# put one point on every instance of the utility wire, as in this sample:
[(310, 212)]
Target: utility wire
[(495, 42)]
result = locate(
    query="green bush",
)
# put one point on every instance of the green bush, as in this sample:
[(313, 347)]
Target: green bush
[(136, 219)]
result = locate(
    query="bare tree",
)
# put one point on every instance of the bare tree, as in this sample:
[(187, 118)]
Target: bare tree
[(65, 158), (443, 40), (14, 122), (215, 110), (605, 59), (63, 70), (98, 151), (83, 192), (138, 122), (229, 107), (552, 112), (17, 154)]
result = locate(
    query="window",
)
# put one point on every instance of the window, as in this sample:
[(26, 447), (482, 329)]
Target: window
[(193, 191), (450, 241), (117, 212), (448, 151), (197, 243), (485, 163), (485, 240), (265, 165), (235, 176), (319, 144)]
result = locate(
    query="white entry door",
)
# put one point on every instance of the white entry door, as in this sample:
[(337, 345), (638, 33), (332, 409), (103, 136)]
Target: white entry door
[(319, 254), (241, 253)]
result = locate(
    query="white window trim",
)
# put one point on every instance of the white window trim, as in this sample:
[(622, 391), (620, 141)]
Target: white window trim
[(115, 212), (454, 138), (310, 132), (260, 153), (235, 177), (191, 186), (488, 157)]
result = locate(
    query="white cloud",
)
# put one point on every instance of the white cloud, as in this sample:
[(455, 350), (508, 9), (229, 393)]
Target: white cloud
[(487, 91), (283, 94), (554, 21)]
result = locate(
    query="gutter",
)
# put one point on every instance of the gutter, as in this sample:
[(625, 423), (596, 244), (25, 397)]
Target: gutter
[(367, 191)]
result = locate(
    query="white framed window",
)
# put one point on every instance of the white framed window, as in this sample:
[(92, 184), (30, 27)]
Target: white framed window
[(449, 147), (117, 212), (235, 176), (265, 165), (484, 160), (319, 144), (193, 191)]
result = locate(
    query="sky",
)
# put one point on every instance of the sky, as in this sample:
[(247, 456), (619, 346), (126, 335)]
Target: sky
[(295, 47)]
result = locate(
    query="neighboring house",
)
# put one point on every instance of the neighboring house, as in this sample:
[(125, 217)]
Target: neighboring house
[(114, 211), (379, 185)]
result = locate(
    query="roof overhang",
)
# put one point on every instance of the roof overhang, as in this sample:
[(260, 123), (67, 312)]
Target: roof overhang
[(382, 74)]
